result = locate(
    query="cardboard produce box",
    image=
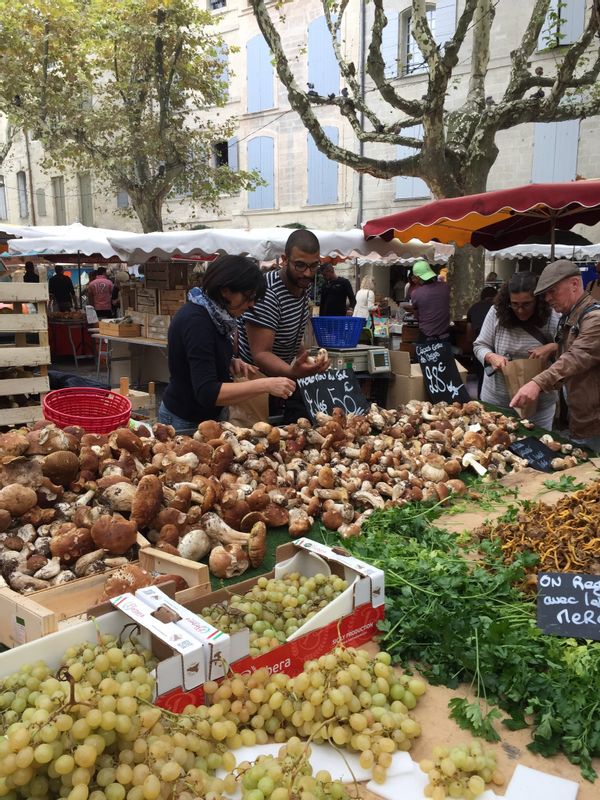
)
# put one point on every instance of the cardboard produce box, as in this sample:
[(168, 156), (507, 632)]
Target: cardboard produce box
[(408, 380)]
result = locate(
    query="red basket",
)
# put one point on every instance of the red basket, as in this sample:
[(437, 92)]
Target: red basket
[(95, 410)]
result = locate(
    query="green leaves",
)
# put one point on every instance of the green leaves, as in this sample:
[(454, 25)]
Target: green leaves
[(470, 717), (566, 483)]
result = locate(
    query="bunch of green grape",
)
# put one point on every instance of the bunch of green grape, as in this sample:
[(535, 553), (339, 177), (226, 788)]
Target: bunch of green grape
[(460, 772), (345, 697), (275, 608)]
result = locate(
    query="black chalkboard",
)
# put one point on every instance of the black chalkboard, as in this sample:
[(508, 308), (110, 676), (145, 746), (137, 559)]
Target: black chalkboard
[(336, 388), (568, 604), (440, 374), (539, 456)]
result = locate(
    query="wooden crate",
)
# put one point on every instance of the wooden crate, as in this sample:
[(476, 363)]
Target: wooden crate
[(171, 300), (23, 354), (146, 300), (166, 275), (157, 326), (24, 618), (124, 329)]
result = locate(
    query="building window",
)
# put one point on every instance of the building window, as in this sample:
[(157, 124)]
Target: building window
[(563, 25), (412, 58), (216, 4), (58, 198), (40, 197), (122, 200), (555, 146), (323, 67), (3, 207), (322, 172), (86, 206), (261, 158), (407, 187), (22, 193), (259, 72)]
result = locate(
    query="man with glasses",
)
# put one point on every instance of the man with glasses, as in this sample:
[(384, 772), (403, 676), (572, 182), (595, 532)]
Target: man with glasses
[(577, 367), (271, 334)]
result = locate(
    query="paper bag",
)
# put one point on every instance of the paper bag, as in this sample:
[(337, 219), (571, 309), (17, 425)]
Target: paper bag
[(256, 409), (519, 372)]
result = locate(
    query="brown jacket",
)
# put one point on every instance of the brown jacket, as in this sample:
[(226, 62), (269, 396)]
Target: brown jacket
[(578, 368)]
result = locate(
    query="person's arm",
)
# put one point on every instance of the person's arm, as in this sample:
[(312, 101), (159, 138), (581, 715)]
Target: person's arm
[(71, 289), (581, 356), (323, 299), (261, 341), (483, 346)]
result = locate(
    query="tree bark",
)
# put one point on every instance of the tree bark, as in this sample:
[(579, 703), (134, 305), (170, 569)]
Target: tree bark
[(149, 211)]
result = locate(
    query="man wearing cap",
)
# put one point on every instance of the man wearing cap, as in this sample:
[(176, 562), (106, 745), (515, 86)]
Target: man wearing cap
[(577, 366), (430, 301)]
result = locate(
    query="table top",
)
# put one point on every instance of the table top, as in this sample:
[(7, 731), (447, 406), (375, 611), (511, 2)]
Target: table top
[(141, 340), (67, 322)]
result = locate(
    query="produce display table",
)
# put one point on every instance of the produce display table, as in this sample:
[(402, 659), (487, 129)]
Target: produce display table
[(125, 350)]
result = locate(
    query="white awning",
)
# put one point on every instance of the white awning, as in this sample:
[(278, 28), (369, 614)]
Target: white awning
[(589, 252)]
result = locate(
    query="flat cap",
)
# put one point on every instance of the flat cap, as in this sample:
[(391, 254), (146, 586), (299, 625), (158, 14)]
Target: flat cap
[(554, 273)]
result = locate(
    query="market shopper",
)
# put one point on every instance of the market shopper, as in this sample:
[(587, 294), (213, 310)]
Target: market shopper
[(271, 333), (335, 293), (100, 293), (475, 317), (577, 366), (61, 290), (520, 325), (201, 347), (430, 303), (365, 298), (30, 275)]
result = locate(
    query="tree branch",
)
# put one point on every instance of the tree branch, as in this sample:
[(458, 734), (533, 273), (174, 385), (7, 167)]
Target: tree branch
[(480, 53), (521, 55)]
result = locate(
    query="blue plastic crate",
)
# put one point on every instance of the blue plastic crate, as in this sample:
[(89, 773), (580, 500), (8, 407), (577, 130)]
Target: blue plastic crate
[(338, 332)]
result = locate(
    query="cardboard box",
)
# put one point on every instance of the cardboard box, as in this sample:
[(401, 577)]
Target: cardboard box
[(171, 300), (408, 380), (146, 300), (192, 651)]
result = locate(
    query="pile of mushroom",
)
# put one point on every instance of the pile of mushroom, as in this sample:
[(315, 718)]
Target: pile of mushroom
[(72, 503)]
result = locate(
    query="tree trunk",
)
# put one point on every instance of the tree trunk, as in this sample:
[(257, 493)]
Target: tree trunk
[(466, 278), (148, 210)]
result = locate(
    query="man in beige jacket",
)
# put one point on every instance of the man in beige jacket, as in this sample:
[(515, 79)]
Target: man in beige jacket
[(577, 366)]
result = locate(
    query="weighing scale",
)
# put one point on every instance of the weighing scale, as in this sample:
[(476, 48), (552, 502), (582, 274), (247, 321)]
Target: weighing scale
[(363, 358)]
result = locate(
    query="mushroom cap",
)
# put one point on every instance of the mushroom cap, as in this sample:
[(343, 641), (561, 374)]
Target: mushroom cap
[(257, 544), (226, 561), (62, 467), (147, 500), (114, 534), (17, 499)]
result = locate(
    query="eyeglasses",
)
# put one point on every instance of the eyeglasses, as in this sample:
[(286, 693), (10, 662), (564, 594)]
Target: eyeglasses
[(301, 266), (526, 304)]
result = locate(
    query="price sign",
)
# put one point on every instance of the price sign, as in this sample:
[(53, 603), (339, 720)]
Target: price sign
[(440, 374), (336, 388), (539, 456), (568, 604)]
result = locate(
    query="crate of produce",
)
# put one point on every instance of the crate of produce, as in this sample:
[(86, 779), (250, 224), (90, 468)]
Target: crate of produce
[(121, 329), (157, 326), (24, 363), (171, 300), (146, 300), (338, 331), (166, 275), (27, 617)]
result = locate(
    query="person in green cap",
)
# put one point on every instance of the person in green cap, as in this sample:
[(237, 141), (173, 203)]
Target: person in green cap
[(430, 303)]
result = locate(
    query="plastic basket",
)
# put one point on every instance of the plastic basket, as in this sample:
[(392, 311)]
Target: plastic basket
[(338, 332), (95, 410)]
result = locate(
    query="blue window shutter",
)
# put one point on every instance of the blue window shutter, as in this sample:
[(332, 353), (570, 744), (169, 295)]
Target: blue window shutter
[(232, 154), (389, 44), (322, 172), (323, 68), (573, 20), (407, 187), (555, 146), (259, 75), (261, 158), (445, 20)]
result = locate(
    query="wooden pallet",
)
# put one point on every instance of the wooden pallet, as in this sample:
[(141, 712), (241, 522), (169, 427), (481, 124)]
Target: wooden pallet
[(27, 617), (22, 354)]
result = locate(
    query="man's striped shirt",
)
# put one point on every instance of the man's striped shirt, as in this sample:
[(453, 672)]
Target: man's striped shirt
[(281, 312)]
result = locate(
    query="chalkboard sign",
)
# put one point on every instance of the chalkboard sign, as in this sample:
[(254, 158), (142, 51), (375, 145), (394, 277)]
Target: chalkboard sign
[(336, 388), (569, 604), (440, 374), (539, 456)]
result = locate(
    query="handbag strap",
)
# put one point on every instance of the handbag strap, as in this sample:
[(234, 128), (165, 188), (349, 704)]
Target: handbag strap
[(535, 332)]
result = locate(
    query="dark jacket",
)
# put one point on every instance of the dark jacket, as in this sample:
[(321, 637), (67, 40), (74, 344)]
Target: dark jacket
[(333, 298), (578, 368), (199, 362)]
